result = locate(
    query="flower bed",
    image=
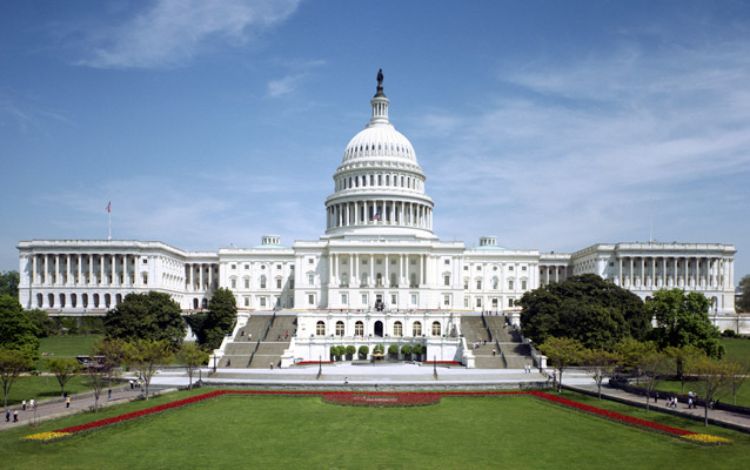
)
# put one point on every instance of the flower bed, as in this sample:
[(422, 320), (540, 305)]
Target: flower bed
[(383, 399)]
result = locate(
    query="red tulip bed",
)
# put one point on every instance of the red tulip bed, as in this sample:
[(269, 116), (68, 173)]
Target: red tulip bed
[(383, 399)]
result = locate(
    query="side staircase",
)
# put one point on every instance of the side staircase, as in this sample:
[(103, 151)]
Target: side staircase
[(260, 343), (490, 333)]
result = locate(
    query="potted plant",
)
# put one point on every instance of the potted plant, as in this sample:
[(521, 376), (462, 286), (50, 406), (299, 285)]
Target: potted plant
[(418, 350), (333, 351), (393, 351), (406, 351), (363, 352), (350, 351)]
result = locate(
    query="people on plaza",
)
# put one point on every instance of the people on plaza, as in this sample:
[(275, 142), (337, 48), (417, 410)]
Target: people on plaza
[(15, 416), (23, 405), (67, 402), (7, 416)]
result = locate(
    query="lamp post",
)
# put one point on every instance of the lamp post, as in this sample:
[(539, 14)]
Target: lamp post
[(434, 367), (320, 367)]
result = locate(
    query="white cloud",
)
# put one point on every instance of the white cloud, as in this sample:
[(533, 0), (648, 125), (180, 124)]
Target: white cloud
[(290, 82), (171, 32), (593, 149)]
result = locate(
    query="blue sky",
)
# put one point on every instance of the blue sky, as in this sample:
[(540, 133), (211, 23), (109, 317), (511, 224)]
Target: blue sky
[(552, 125)]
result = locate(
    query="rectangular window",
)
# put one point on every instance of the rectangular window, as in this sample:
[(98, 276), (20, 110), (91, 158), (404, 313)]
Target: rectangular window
[(247, 266), (311, 279), (466, 302), (262, 301), (510, 284), (234, 283), (446, 280), (344, 299), (447, 300), (523, 268), (523, 285), (311, 299), (247, 283), (447, 261), (510, 268), (278, 283), (479, 285), (414, 299), (510, 302), (247, 301), (394, 299), (234, 266), (479, 302), (364, 299)]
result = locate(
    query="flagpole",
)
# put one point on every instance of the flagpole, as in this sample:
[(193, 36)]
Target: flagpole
[(109, 225)]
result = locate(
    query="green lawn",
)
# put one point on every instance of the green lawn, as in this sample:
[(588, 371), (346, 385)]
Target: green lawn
[(304, 432), (737, 349), (67, 345), (41, 387)]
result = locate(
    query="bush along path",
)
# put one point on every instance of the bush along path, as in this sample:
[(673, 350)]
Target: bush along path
[(379, 399)]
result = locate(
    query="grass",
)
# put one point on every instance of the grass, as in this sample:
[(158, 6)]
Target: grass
[(273, 432), (41, 387), (737, 349), (67, 345)]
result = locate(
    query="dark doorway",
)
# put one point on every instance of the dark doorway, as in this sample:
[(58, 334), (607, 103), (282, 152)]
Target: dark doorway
[(379, 329)]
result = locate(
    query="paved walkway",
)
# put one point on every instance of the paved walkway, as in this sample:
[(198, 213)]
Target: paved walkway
[(55, 407), (740, 422)]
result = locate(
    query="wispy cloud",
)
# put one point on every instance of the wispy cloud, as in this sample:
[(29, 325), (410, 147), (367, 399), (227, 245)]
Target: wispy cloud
[(593, 149), (170, 32), (299, 71), (26, 115)]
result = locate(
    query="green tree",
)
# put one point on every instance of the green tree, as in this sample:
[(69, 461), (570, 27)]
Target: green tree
[(350, 351), (682, 320), (16, 330), (145, 355), (601, 363), (192, 357), (562, 353), (220, 318), (153, 316), (9, 283), (586, 308), (45, 326), (64, 369), (630, 352), (363, 351), (654, 365), (713, 376), (12, 363), (393, 350), (737, 373), (744, 304), (684, 358)]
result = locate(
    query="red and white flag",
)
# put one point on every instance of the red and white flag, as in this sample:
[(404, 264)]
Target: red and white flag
[(109, 207)]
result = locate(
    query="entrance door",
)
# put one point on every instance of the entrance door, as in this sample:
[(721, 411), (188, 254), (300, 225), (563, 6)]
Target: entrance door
[(379, 328)]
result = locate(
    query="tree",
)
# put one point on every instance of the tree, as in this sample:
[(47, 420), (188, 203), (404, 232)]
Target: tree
[(153, 316), (712, 375), (192, 357), (363, 351), (64, 368), (684, 358), (393, 350), (744, 304), (601, 362), (562, 353), (653, 366), (586, 308), (350, 351), (631, 351), (12, 363), (44, 325), (9, 283), (220, 319), (682, 320), (144, 355), (737, 373), (16, 330), (108, 354)]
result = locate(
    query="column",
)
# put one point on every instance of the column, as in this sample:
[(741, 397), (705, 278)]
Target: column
[(643, 273), (653, 272), (125, 280), (371, 281), (80, 270), (57, 269), (686, 260), (557, 275), (356, 213), (354, 259), (33, 269), (630, 274), (91, 270), (210, 276), (386, 280), (620, 276), (200, 277)]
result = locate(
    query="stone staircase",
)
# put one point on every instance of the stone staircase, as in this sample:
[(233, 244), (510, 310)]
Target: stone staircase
[(275, 343), (260, 342), (516, 354)]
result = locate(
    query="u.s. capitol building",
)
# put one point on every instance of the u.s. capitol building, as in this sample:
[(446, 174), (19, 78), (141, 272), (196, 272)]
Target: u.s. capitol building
[(378, 249)]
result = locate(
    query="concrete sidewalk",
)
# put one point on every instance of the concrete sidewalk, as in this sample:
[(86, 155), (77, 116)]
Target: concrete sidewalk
[(55, 407), (727, 419)]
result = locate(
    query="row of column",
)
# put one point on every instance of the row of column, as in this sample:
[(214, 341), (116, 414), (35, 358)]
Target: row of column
[(354, 277), (668, 271), (379, 213), (76, 300), (378, 180), (200, 276), (84, 269), (552, 274)]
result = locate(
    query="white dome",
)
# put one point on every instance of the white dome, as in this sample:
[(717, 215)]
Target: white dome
[(379, 140)]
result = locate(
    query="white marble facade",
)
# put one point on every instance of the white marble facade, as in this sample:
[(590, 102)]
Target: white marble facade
[(378, 246)]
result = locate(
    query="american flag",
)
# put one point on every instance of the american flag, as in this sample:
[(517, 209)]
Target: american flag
[(109, 207)]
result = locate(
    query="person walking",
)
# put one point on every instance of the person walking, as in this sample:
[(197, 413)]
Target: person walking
[(23, 405), (67, 402), (109, 394), (15, 416), (7, 416), (32, 403)]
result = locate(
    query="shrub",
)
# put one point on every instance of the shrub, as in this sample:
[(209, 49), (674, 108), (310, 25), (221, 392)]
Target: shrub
[(333, 351), (406, 350), (350, 350), (393, 350), (378, 349), (363, 351), (729, 333)]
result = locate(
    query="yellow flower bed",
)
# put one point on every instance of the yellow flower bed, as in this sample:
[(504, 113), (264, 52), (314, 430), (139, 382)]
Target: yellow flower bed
[(707, 439), (46, 436)]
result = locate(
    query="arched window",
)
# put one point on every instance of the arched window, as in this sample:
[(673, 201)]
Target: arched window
[(233, 282), (398, 329), (62, 300), (320, 328), (446, 280), (39, 300), (416, 329), (195, 303), (479, 284), (118, 299), (263, 282), (107, 300), (247, 282), (73, 300), (85, 300), (204, 303), (359, 329), (339, 328), (96, 300), (436, 330), (51, 300)]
